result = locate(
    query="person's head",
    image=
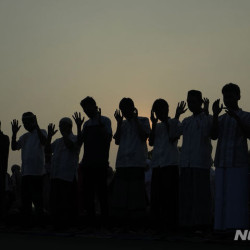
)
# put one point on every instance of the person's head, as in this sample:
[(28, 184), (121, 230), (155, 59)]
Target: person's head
[(231, 95), (161, 109), (65, 126), (88, 105), (15, 168), (29, 121), (194, 101), (127, 108)]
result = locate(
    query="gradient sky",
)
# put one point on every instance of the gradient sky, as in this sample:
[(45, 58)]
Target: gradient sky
[(53, 53)]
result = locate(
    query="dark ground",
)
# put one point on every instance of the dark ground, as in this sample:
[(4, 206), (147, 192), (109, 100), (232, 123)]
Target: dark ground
[(38, 239)]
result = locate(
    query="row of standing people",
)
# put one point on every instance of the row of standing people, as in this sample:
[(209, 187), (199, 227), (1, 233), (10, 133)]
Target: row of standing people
[(180, 189)]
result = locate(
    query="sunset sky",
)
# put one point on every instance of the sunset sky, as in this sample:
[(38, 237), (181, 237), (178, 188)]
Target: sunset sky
[(53, 53)]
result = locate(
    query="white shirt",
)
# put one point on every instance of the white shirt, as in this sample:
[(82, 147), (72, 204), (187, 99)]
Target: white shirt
[(132, 150), (232, 148), (64, 161), (196, 147), (33, 158), (165, 153)]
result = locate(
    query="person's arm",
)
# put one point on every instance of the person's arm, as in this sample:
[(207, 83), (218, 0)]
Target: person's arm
[(51, 133), (41, 136), (119, 118), (105, 132), (244, 127), (152, 132), (79, 121), (15, 129), (143, 134), (215, 125)]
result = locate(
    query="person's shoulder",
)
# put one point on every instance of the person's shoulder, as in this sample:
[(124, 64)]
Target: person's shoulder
[(187, 119), (44, 131), (105, 119), (143, 119), (73, 137), (25, 135)]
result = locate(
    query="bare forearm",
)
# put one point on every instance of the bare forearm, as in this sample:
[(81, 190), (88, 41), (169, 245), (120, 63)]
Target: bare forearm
[(117, 135), (42, 137), (13, 142)]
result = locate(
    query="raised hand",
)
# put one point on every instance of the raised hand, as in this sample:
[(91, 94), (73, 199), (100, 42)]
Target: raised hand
[(15, 126), (217, 107), (78, 120), (206, 105), (51, 130), (180, 109), (118, 116), (153, 118)]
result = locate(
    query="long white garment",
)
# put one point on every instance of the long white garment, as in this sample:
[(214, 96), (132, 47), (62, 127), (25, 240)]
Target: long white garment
[(231, 198)]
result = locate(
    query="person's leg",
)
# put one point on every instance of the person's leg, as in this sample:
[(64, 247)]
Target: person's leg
[(101, 177), (186, 198), (170, 195), (37, 197), (136, 197), (26, 201), (155, 199), (89, 194)]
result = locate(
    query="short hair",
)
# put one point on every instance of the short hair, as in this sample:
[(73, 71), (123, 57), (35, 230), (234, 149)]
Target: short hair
[(87, 101), (66, 120), (15, 167), (160, 104), (126, 102), (28, 115), (232, 88), (195, 93)]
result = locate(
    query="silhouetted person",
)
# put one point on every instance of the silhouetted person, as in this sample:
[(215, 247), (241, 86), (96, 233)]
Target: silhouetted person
[(16, 180), (65, 156), (4, 154), (195, 162), (232, 130), (165, 164), (32, 146), (129, 197), (96, 136)]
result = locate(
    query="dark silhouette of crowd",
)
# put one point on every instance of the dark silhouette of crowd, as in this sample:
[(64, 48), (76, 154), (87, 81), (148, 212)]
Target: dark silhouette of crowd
[(164, 190)]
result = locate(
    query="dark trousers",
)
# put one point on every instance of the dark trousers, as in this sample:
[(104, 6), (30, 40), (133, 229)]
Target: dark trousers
[(164, 197), (94, 184), (63, 202), (32, 192)]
